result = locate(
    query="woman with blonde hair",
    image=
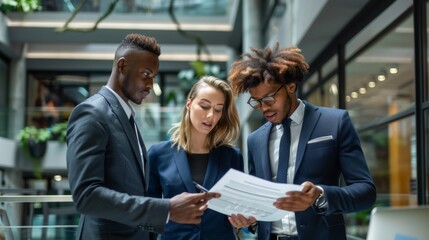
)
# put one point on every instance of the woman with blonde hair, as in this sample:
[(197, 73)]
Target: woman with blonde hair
[(199, 153)]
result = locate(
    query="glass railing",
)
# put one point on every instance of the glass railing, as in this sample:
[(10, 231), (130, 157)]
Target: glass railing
[(26, 214), (45, 217), (42, 217)]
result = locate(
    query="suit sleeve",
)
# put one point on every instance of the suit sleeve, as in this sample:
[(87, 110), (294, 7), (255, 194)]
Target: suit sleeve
[(359, 192), (88, 136)]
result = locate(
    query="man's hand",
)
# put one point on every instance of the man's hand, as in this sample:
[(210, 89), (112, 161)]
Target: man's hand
[(189, 207), (299, 200), (239, 221)]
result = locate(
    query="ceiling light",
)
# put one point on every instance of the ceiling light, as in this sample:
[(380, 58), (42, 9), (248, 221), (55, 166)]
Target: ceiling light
[(362, 90), (333, 89), (381, 77), (371, 84), (348, 98), (393, 70), (354, 95), (57, 178)]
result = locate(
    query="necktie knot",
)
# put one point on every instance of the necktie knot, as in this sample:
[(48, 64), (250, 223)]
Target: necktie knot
[(286, 123)]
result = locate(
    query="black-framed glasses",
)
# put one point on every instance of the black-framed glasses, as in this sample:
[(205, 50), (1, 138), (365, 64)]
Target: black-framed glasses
[(268, 100)]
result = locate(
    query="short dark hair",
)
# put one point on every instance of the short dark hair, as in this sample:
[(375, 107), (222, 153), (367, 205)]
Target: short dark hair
[(140, 42), (282, 66)]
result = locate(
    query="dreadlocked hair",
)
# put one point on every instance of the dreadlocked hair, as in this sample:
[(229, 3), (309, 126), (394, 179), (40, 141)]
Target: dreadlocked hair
[(267, 65)]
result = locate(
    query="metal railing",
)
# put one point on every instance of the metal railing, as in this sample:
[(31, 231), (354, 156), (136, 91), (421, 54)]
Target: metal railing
[(37, 217)]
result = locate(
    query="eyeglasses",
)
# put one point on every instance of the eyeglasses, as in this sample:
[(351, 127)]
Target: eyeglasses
[(268, 100)]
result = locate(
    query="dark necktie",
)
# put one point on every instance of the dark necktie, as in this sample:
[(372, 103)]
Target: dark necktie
[(133, 124), (138, 139), (284, 152)]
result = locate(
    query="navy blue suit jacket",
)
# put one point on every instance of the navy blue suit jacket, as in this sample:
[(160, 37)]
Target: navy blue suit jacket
[(321, 162), (170, 175)]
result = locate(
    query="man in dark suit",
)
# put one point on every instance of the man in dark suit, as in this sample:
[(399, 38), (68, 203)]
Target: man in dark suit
[(301, 144), (107, 159)]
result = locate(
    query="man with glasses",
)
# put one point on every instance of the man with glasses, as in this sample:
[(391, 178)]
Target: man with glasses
[(300, 144)]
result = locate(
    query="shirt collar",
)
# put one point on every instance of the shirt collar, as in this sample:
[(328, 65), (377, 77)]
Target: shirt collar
[(125, 105), (297, 116)]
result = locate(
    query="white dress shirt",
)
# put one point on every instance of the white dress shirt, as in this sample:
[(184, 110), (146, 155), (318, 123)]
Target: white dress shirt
[(287, 225)]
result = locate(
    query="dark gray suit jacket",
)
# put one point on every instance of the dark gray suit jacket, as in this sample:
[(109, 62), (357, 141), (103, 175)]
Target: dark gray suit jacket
[(106, 176)]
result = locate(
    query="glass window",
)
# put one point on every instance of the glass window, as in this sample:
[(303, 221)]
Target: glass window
[(390, 153), (310, 83), (315, 97), (330, 92), (380, 81), (329, 66)]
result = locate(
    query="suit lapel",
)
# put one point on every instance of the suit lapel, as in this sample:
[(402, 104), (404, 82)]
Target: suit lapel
[(123, 119), (311, 117), (182, 165), (264, 141), (212, 168)]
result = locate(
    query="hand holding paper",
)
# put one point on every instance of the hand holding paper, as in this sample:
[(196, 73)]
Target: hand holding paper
[(250, 196)]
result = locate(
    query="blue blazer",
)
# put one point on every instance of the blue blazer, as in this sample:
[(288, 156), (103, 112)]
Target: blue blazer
[(170, 175), (321, 162), (106, 176)]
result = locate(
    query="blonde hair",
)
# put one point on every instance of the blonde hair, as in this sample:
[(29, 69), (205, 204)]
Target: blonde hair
[(226, 131)]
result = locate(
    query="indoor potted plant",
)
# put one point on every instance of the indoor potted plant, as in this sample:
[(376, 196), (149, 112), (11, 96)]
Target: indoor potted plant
[(59, 131), (34, 140), (34, 143)]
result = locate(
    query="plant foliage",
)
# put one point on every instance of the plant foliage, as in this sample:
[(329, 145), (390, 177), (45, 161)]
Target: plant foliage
[(24, 6)]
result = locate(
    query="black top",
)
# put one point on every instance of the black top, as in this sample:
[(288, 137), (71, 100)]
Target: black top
[(198, 165)]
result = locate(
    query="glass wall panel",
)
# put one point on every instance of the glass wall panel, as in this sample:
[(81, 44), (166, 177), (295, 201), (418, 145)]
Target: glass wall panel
[(380, 81), (330, 92), (310, 84), (390, 153), (315, 97), (329, 66)]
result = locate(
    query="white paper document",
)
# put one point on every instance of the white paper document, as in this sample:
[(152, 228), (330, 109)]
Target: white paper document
[(249, 196)]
